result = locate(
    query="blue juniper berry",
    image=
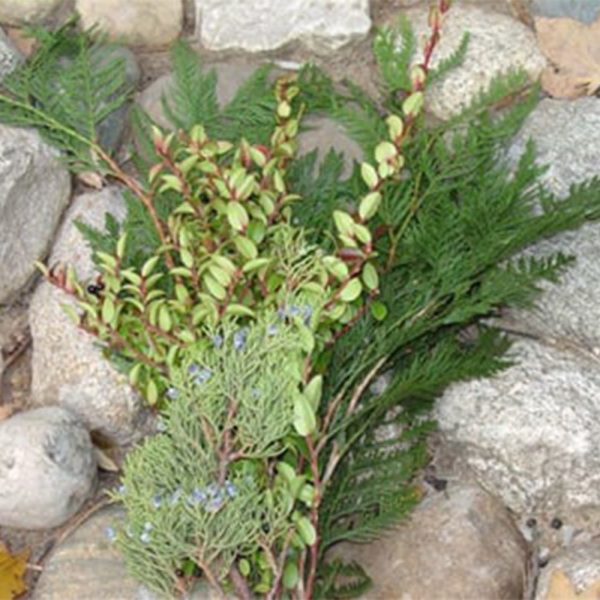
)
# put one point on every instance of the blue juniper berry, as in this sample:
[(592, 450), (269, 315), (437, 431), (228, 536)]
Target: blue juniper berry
[(239, 338), (217, 340), (172, 393)]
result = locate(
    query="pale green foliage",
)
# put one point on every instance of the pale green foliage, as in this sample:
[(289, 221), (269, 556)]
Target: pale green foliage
[(200, 490)]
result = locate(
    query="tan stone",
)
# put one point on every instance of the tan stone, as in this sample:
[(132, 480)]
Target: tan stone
[(458, 545), (135, 22)]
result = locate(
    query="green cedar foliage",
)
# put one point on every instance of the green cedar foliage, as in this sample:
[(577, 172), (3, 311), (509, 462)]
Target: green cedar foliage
[(69, 86)]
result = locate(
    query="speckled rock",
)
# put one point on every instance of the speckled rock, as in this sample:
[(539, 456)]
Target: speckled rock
[(497, 43), (149, 23), (68, 369), (562, 132), (530, 433), (19, 12), (34, 191), (260, 25), (572, 574), (86, 565), (47, 468), (459, 544), (10, 57)]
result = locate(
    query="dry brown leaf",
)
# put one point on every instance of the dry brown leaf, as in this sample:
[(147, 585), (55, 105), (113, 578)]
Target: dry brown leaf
[(12, 569), (561, 588), (573, 48), (105, 462)]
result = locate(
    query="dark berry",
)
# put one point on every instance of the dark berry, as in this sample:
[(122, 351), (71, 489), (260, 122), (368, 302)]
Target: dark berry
[(531, 522), (556, 523), (92, 289)]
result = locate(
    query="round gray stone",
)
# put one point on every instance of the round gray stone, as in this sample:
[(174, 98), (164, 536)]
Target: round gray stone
[(68, 368), (47, 468), (34, 190)]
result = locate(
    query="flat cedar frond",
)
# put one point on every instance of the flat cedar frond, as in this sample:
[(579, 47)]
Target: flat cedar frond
[(394, 50), (451, 62), (66, 89), (193, 96), (249, 114), (353, 580)]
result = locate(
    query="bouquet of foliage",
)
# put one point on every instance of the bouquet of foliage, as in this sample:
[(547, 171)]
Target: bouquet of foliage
[(255, 300)]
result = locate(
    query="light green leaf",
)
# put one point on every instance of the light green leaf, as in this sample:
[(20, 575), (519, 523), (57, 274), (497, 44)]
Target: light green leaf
[(379, 310), (351, 291), (237, 216), (369, 175), (306, 530), (412, 106), (290, 575), (305, 422), (108, 310), (151, 392), (214, 287), (344, 222), (369, 205), (384, 151), (246, 247), (313, 391), (370, 276), (149, 265), (165, 322)]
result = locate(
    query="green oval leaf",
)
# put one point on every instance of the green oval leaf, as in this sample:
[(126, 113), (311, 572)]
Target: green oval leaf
[(306, 530), (237, 216), (305, 422), (351, 291), (369, 205), (379, 310), (370, 276), (290, 575), (369, 175)]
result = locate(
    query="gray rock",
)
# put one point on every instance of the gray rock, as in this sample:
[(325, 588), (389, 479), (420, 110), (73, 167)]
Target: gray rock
[(110, 130), (47, 468), (260, 25), (34, 191), (86, 565), (530, 433), (10, 57), (562, 131), (564, 135), (68, 368), (19, 12), (581, 10), (459, 544), (497, 44), (578, 567), (324, 134)]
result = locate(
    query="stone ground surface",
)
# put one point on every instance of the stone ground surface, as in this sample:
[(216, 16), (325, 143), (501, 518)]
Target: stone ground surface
[(480, 522)]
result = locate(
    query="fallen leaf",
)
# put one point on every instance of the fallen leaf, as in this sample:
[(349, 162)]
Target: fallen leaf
[(91, 179), (573, 48), (105, 462), (12, 569), (561, 588)]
